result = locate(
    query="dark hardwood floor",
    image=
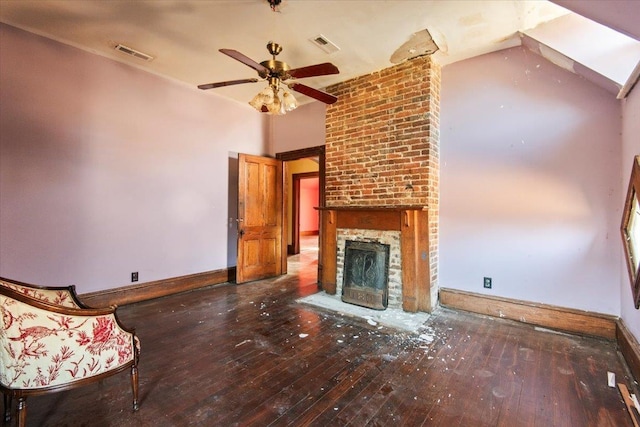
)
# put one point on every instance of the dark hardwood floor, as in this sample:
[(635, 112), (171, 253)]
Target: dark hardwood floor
[(250, 355)]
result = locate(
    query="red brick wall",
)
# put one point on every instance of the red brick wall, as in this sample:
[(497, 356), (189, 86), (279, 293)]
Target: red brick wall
[(382, 143)]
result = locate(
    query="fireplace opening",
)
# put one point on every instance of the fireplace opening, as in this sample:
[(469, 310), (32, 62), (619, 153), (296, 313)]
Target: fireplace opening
[(366, 274)]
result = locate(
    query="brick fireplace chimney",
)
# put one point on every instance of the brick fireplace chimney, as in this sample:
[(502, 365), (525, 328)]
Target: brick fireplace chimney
[(382, 151)]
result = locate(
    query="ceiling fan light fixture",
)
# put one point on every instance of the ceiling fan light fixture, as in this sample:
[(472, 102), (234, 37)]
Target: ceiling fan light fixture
[(269, 100)]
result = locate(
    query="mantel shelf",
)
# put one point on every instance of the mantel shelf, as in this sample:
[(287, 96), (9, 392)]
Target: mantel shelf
[(373, 208)]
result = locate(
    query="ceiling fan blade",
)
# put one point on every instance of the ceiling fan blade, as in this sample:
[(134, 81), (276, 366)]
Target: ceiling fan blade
[(313, 93), (261, 69), (314, 70), (228, 83)]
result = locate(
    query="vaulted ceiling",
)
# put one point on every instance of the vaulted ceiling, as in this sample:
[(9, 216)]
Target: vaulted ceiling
[(184, 36)]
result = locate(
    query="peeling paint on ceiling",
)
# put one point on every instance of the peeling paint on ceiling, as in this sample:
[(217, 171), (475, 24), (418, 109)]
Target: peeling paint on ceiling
[(420, 43)]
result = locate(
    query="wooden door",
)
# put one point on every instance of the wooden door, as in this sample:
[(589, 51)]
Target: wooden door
[(260, 217)]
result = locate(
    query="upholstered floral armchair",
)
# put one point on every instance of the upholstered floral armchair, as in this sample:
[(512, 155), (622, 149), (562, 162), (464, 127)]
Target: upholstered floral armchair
[(50, 342)]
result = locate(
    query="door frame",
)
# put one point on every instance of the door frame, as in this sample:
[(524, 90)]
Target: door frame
[(319, 152)]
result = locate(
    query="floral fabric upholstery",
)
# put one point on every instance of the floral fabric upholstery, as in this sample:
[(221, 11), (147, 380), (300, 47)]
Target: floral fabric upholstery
[(42, 348), (60, 296)]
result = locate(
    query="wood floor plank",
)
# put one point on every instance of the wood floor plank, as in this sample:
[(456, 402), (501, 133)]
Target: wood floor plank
[(250, 355)]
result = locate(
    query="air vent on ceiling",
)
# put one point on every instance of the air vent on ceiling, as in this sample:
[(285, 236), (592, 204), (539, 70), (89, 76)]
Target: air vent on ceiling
[(325, 44), (132, 52)]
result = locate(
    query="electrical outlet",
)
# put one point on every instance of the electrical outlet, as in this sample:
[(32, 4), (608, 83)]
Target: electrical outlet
[(487, 282), (134, 276)]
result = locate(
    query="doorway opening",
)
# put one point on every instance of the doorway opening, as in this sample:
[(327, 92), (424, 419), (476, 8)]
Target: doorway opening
[(304, 217), (303, 175)]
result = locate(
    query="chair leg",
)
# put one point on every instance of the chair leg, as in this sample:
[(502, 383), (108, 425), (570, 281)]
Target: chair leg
[(8, 401), (22, 411), (134, 386)]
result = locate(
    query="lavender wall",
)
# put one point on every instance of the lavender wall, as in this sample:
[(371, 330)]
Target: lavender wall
[(106, 169), (301, 128), (530, 183), (630, 149)]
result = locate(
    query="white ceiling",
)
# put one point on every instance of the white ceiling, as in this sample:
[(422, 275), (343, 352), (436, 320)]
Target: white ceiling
[(184, 36)]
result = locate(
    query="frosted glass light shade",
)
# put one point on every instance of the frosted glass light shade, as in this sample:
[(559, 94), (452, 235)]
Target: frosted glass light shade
[(275, 106), (289, 101), (268, 94), (257, 102)]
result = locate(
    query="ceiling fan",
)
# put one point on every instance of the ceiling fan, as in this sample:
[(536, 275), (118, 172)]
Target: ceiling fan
[(277, 72)]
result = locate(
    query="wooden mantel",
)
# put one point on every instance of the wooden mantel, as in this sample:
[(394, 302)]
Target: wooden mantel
[(410, 221)]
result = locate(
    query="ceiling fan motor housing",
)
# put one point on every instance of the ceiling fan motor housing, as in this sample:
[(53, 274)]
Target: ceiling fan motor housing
[(277, 68)]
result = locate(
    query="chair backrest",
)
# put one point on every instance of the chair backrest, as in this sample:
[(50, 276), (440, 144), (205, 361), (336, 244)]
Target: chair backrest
[(45, 346), (62, 296)]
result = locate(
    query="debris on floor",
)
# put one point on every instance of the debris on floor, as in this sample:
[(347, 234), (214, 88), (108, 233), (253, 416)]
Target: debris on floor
[(391, 317)]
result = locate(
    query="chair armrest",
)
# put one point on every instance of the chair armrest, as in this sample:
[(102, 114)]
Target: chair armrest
[(65, 296), (47, 346)]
